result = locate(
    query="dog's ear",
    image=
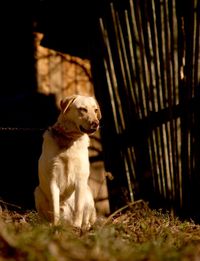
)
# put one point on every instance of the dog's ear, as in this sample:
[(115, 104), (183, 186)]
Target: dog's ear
[(66, 102), (99, 116)]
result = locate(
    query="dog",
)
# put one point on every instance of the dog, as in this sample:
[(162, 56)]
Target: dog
[(63, 167)]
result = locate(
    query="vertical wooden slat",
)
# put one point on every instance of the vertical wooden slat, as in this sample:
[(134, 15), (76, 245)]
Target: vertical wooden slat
[(143, 63), (132, 76), (169, 83), (176, 130), (157, 93), (163, 92), (121, 53), (137, 61), (197, 46), (113, 90)]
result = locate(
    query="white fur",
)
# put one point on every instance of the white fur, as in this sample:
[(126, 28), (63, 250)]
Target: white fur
[(63, 167)]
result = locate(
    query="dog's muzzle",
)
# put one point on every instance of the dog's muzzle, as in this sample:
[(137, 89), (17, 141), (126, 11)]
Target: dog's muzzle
[(93, 127)]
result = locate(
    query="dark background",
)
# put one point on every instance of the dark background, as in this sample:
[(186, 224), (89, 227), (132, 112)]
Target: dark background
[(24, 113)]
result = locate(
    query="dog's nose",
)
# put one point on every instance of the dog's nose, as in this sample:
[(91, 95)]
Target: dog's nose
[(94, 124)]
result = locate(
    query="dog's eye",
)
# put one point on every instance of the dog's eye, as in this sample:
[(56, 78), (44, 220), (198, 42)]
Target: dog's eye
[(96, 110), (82, 109)]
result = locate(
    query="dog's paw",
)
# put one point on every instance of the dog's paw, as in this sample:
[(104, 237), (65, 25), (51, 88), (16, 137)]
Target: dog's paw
[(77, 222), (86, 227)]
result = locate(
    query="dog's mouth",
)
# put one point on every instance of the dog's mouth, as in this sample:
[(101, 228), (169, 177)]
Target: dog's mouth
[(90, 131)]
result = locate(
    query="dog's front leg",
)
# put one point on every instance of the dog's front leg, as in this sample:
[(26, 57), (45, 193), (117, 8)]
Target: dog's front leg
[(79, 203), (55, 195)]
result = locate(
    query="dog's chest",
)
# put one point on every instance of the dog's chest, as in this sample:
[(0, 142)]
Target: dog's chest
[(74, 164)]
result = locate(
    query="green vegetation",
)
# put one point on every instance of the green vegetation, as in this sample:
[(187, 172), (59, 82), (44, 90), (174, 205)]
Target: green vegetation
[(134, 233)]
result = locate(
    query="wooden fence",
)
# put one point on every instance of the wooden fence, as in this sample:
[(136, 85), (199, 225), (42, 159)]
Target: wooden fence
[(148, 84)]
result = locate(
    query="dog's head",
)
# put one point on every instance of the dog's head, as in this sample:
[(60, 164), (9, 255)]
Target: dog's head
[(82, 111)]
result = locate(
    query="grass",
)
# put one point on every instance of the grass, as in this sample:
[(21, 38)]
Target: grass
[(133, 233)]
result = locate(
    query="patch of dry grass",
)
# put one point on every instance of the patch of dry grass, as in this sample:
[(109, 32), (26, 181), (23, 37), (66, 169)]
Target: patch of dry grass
[(132, 233)]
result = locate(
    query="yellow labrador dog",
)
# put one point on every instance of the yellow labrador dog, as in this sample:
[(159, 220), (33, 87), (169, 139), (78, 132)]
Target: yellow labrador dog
[(63, 167)]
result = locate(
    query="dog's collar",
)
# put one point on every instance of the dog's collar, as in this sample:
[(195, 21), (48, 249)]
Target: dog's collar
[(58, 131), (64, 139)]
